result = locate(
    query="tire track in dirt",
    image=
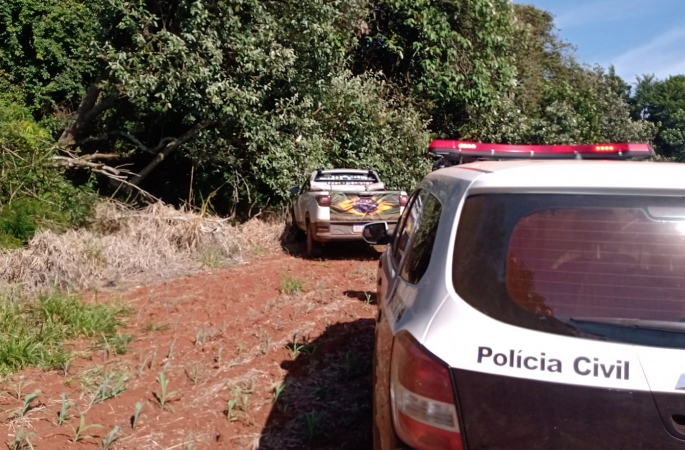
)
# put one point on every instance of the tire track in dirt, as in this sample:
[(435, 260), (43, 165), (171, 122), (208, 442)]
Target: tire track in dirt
[(272, 354)]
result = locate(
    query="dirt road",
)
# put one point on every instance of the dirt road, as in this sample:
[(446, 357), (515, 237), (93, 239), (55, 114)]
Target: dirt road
[(272, 354)]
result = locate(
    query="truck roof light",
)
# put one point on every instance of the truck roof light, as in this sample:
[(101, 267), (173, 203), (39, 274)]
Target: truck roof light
[(458, 151)]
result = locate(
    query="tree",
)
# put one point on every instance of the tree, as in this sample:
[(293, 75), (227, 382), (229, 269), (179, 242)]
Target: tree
[(662, 102)]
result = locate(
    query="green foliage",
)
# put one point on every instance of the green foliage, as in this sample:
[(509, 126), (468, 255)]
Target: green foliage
[(557, 100), (662, 103), (451, 56), (40, 328), (253, 95), (45, 47), (33, 193)]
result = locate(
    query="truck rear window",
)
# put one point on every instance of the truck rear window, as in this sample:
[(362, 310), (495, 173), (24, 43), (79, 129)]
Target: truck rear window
[(352, 178), (606, 267)]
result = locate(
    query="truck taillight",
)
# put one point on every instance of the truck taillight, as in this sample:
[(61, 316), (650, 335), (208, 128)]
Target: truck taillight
[(424, 412), (404, 198), (323, 200)]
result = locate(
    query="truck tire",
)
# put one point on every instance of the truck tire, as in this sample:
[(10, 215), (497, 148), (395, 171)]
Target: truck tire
[(313, 247), (294, 230)]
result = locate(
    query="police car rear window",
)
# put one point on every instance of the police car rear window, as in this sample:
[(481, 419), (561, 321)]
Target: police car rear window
[(605, 267)]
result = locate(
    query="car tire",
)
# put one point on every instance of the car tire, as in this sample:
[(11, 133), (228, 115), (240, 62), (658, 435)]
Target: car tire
[(294, 230), (313, 247)]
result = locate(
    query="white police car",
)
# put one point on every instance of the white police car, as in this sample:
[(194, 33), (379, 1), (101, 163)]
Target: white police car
[(531, 305)]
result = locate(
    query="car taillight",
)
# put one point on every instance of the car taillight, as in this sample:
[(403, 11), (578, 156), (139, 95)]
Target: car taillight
[(404, 198), (423, 406), (323, 200)]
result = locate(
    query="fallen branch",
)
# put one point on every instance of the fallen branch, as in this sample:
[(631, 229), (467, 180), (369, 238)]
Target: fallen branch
[(114, 173)]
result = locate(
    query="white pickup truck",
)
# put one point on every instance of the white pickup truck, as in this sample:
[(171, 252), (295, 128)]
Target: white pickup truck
[(335, 204)]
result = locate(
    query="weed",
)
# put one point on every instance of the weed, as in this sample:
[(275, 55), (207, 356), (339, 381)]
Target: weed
[(22, 441), (277, 391), (40, 327), (156, 327), (26, 406), (290, 285), (163, 396), (136, 414), (314, 421), (213, 257), (117, 344), (109, 388), (367, 298), (82, 428), (64, 407)]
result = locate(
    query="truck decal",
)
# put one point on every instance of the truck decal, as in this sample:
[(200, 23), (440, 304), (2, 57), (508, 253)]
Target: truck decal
[(350, 207)]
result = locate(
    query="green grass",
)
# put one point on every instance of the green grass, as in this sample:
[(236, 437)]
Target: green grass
[(290, 285), (35, 330)]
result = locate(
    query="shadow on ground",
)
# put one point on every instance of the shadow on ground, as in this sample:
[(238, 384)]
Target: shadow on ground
[(325, 401), (368, 297), (293, 243)]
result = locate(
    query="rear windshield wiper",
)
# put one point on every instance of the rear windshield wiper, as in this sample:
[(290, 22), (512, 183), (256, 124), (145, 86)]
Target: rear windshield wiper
[(661, 325)]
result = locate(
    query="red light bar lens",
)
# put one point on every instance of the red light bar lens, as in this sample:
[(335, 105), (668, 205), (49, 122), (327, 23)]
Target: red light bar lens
[(623, 150)]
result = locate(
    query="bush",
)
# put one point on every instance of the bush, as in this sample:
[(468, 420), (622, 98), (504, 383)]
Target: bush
[(34, 193)]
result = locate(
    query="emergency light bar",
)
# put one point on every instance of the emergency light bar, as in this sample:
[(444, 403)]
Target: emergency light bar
[(461, 151)]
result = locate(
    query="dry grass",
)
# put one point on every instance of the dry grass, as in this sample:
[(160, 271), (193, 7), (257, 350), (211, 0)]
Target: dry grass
[(123, 244)]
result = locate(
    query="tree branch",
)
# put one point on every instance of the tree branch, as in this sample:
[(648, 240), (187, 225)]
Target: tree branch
[(114, 173), (168, 149)]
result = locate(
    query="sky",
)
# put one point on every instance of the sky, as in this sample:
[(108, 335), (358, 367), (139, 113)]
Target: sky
[(636, 36)]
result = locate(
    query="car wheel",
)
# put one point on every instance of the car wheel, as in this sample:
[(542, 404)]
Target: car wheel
[(295, 231), (313, 247)]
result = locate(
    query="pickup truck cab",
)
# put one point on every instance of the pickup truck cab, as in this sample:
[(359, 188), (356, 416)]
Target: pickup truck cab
[(336, 204)]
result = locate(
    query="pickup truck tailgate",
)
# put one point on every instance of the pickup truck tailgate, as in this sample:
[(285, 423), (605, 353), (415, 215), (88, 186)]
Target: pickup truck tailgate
[(365, 206)]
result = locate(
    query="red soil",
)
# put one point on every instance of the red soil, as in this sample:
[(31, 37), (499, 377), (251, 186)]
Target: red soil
[(229, 329)]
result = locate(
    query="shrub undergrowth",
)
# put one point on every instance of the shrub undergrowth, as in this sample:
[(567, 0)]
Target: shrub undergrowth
[(34, 332)]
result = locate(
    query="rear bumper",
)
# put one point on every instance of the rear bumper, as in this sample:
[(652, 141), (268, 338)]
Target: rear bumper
[(342, 231)]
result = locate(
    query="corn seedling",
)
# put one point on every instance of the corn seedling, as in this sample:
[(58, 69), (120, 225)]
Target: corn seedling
[(314, 420), (163, 396), (26, 406), (19, 388), (64, 407), (310, 306), (199, 338), (136, 414), (82, 428), (156, 327), (110, 438), (367, 298), (65, 366), (217, 358), (170, 354), (277, 391), (22, 441), (266, 343), (193, 374), (295, 348)]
